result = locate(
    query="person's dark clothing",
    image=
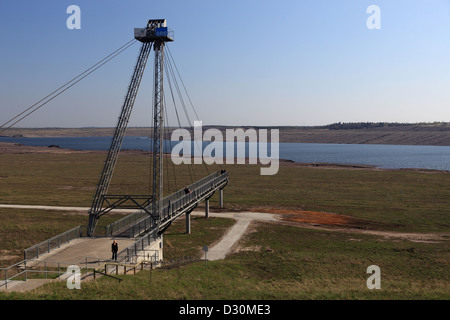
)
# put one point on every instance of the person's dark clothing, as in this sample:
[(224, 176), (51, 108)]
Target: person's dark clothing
[(114, 249)]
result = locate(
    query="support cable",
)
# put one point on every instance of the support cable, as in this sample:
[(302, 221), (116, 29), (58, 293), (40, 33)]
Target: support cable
[(180, 95), (65, 87), (181, 79), (190, 169)]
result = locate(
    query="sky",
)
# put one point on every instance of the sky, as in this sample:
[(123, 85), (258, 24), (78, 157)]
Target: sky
[(243, 62)]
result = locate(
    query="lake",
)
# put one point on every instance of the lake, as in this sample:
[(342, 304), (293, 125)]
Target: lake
[(383, 156)]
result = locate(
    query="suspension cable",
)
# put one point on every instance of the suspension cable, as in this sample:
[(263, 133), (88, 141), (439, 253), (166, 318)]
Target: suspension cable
[(172, 68), (171, 73), (182, 82), (190, 169), (65, 87)]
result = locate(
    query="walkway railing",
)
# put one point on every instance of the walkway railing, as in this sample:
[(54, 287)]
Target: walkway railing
[(46, 269), (140, 222), (133, 252), (147, 257), (52, 243), (181, 202)]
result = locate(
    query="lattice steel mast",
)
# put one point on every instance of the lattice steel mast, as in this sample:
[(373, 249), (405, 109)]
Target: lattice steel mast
[(156, 33), (158, 125)]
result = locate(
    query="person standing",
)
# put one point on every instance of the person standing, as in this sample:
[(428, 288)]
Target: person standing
[(114, 249)]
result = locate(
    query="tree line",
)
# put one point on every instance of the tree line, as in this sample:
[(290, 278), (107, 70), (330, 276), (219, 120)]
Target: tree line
[(371, 125)]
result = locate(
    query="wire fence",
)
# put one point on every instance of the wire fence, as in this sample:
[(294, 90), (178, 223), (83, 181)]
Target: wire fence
[(133, 252), (138, 223), (52, 243), (138, 252), (46, 269)]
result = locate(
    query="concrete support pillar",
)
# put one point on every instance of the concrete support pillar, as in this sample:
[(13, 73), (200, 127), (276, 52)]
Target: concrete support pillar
[(221, 198), (160, 247), (207, 208), (188, 223)]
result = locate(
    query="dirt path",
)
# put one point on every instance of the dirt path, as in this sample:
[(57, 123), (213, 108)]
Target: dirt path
[(414, 237), (342, 223), (305, 219), (231, 238)]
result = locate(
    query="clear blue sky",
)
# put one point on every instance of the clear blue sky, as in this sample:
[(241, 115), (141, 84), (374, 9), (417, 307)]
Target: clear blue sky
[(244, 62)]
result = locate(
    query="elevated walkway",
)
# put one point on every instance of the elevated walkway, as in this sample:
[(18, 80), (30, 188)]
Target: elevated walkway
[(184, 201), (138, 235)]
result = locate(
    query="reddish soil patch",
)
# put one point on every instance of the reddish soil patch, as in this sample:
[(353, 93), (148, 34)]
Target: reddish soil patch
[(313, 217), (326, 219), (343, 223)]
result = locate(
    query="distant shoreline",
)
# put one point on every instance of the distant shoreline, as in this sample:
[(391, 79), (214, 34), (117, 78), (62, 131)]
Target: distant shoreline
[(17, 148), (407, 134)]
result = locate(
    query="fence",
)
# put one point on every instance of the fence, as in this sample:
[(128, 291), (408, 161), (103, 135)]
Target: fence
[(22, 270), (125, 222), (134, 251), (180, 202), (145, 257), (80, 231), (139, 222), (52, 243)]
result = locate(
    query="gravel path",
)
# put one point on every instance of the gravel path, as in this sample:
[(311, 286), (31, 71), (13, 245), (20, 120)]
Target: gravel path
[(231, 238)]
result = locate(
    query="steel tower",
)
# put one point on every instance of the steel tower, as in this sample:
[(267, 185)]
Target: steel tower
[(156, 34)]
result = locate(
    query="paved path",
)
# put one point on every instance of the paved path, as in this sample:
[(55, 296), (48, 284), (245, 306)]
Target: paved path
[(231, 238), (77, 250), (99, 247)]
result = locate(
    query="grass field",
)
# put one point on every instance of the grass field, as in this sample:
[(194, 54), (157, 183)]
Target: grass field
[(276, 261), (280, 262), (399, 200)]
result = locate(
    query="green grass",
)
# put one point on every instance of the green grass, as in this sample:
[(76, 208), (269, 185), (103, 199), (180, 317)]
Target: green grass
[(402, 200), (286, 263), (282, 262)]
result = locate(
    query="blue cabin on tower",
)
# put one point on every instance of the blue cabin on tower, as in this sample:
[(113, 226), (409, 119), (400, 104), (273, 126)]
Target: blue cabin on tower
[(156, 31)]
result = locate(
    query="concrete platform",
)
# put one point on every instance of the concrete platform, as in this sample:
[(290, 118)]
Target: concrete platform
[(76, 251)]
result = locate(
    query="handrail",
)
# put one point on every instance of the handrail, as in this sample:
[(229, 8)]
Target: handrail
[(108, 275), (173, 205), (179, 202), (125, 266), (30, 265), (52, 243)]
